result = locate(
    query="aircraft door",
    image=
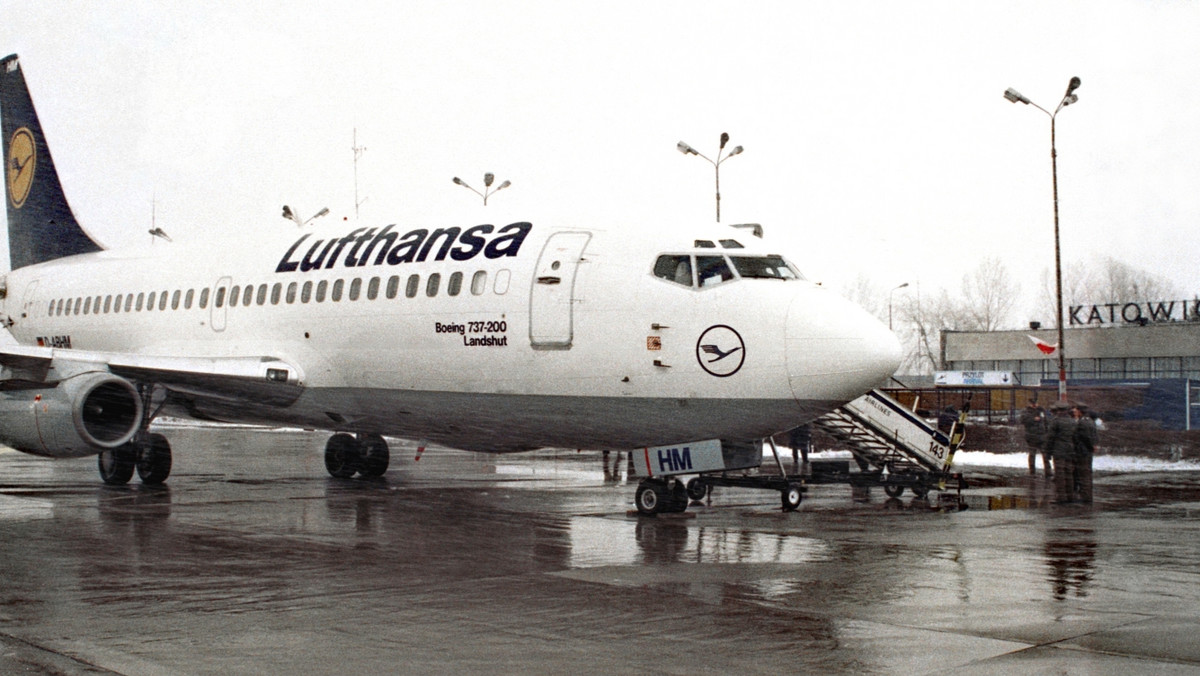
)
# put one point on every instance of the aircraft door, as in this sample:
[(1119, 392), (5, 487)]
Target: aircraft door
[(553, 292), (217, 304), (27, 302)]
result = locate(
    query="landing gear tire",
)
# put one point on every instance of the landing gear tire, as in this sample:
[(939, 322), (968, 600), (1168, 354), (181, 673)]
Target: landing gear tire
[(153, 459), (116, 465), (893, 490), (342, 456), (374, 455), (791, 497), (650, 498), (696, 490)]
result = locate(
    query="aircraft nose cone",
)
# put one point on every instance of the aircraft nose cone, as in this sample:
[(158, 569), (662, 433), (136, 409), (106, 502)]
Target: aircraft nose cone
[(836, 351)]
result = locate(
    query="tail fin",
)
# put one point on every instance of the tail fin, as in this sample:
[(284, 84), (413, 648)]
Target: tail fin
[(41, 226)]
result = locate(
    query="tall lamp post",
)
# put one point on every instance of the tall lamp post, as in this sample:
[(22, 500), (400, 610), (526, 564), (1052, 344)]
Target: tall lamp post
[(902, 286), (1068, 98), (488, 179), (737, 150)]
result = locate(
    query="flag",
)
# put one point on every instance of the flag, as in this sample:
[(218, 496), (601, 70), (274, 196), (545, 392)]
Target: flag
[(1042, 345)]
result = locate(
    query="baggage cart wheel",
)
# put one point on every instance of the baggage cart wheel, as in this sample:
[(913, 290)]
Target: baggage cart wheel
[(696, 490), (650, 498), (893, 490)]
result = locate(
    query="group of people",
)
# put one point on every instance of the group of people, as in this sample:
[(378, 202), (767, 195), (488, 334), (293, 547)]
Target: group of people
[(1066, 440)]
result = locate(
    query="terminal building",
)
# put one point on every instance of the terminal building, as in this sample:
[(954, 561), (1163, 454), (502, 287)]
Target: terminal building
[(1133, 361)]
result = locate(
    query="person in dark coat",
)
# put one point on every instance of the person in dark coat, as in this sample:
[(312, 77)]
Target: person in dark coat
[(1033, 418), (1086, 438), (1060, 444)]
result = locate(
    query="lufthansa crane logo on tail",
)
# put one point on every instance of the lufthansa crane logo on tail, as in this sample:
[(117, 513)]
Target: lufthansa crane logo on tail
[(19, 166), (720, 351)]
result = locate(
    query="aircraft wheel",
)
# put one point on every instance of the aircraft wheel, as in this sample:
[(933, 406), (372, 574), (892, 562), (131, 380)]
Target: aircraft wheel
[(651, 498), (696, 490), (375, 456), (792, 496), (893, 490), (342, 456), (116, 465), (154, 459)]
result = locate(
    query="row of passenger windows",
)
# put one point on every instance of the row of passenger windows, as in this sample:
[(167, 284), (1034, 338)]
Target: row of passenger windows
[(305, 292)]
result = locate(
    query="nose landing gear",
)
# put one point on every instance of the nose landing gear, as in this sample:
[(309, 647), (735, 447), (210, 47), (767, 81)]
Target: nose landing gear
[(366, 455)]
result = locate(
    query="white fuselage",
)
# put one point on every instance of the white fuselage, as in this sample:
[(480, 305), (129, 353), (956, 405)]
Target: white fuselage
[(529, 337)]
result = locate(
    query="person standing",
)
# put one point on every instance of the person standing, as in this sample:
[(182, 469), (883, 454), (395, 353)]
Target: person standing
[(1060, 444), (1086, 439), (1033, 418)]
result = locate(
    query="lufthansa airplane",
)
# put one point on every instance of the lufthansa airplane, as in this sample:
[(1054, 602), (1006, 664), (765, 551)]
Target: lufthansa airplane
[(496, 337)]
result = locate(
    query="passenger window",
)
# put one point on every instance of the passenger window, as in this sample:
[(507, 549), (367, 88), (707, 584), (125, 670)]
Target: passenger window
[(501, 286), (175, 300), (306, 292), (291, 293), (128, 302), (355, 288), (150, 300), (712, 270), (478, 283), (87, 305), (676, 268), (117, 302), (220, 299), (234, 294), (393, 286), (373, 288), (322, 287), (70, 304), (454, 284), (108, 304), (162, 301), (204, 298), (336, 294), (410, 289), (431, 287), (261, 298), (60, 307), (248, 295), (276, 293), (96, 305), (188, 298)]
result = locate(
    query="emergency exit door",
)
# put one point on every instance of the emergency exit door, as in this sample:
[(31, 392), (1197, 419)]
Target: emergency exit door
[(551, 299)]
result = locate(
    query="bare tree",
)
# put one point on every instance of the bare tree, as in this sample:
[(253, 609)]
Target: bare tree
[(1109, 281), (989, 295)]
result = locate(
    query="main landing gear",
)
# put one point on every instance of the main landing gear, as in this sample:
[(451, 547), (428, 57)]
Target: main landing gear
[(365, 454), (149, 453)]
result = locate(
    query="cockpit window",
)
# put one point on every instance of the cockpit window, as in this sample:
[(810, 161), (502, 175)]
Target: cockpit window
[(712, 270), (704, 244), (731, 244), (676, 268), (764, 267)]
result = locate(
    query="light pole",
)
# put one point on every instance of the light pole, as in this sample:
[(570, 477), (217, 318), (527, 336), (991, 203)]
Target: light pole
[(737, 150), (487, 186), (1068, 98), (904, 285)]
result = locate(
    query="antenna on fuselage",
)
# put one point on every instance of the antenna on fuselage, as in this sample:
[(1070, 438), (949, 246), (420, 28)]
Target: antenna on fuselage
[(155, 231)]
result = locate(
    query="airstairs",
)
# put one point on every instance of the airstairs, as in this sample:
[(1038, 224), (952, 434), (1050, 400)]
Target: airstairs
[(892, 445)]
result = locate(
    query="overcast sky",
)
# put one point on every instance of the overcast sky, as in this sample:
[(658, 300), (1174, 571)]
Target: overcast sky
[(876, 136)]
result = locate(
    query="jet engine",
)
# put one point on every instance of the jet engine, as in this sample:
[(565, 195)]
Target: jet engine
[(84, 415)]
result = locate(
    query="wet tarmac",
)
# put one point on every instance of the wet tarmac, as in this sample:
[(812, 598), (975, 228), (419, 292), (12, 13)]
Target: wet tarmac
[(252, 560)]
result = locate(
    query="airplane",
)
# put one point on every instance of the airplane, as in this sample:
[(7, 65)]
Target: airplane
[(510, 335)]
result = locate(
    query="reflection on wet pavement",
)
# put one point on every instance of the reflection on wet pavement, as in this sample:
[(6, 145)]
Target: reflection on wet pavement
[(252, 560)]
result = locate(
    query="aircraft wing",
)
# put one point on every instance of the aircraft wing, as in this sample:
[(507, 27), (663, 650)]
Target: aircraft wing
[(262, 379)]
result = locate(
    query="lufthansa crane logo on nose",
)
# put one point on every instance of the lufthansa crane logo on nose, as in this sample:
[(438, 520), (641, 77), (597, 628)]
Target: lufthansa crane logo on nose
[(720, 351), (19, 166)]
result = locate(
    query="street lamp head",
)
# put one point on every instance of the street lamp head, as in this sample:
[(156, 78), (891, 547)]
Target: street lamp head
[(1016, 96), (724, 140), (458, 181), (737, 150), (685, 148), (503, 185), (488, 179), (1074, 84)]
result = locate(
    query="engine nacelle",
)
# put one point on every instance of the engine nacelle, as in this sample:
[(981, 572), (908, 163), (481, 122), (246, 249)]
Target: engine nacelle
[(84, 415)]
